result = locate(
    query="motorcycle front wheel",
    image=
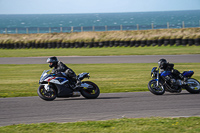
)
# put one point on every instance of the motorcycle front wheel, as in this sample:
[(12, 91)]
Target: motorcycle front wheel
[(193, 86), (153, 88), (90, 93), (48, 96)]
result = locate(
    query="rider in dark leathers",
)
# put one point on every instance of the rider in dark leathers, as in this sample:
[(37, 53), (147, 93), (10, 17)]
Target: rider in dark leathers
[(166, 66), (60, 67)]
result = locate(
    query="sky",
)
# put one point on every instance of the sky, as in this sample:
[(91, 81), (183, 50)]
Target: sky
[(93, 6)]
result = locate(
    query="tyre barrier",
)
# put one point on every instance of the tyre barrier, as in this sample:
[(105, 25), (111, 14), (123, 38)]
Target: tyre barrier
[(148, 42), (184, 42), (178, 42), (136, 43), (154, 43), (197, 41), (172, 42), (166, 42), (190, 42), (160, 42)]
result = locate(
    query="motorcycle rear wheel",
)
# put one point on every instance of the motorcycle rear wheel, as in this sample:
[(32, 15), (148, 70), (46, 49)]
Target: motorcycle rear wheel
[(193, 88), (153, 88), (90, 93), (48, 96)]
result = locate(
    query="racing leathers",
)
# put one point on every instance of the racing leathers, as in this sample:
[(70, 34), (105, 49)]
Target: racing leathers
[(175, 72), (67, 72)]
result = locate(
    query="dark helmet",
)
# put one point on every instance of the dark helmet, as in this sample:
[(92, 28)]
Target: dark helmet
[(52, 60), (162, 63)]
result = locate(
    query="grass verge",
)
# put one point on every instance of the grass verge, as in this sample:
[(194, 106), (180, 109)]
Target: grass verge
[(22, 80), (162, 50), (124, 125)]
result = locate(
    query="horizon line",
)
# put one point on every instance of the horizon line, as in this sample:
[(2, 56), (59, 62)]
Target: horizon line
[(99, 12)]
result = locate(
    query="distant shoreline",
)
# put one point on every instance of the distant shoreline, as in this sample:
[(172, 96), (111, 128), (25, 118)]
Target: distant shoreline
[(101, 12)]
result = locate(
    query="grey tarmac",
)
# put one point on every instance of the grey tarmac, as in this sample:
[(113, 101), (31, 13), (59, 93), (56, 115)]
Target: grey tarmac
[(108, 106), (104, 59)]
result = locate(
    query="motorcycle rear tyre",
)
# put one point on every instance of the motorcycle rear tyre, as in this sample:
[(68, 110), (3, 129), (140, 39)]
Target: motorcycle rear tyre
[(193, 91), (87, 94), (46, 98)]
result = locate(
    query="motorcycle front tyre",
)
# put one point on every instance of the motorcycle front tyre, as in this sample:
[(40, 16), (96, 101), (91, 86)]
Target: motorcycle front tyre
[(46, 96), (153, 88)]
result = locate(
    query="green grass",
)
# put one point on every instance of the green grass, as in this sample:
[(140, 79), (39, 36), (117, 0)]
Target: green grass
[(124, 125), (22, 80), (167, 50)]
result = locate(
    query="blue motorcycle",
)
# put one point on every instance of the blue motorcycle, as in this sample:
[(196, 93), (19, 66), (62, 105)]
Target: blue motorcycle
[(168, 81)]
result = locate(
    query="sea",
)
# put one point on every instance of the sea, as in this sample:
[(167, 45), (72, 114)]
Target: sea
[(50, 23)]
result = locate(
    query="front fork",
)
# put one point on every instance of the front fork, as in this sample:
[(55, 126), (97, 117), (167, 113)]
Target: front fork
[(158, 77), (46, 87)]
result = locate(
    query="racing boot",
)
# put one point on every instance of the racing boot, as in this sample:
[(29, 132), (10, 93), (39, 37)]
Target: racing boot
[(77, 85), (181, 76)]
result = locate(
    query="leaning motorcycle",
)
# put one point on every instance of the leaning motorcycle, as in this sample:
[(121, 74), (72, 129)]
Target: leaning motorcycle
[(52, 86), (167, 81)]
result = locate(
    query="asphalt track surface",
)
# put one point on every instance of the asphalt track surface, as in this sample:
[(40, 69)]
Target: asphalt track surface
[(103, 59), (107, 106)]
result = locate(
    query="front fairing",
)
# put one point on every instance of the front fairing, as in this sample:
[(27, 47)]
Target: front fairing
[(44, 76), (51, 78), (154, 72), (153, 69)]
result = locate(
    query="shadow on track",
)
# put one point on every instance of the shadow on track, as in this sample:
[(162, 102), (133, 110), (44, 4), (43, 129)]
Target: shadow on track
[(82, 98)]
